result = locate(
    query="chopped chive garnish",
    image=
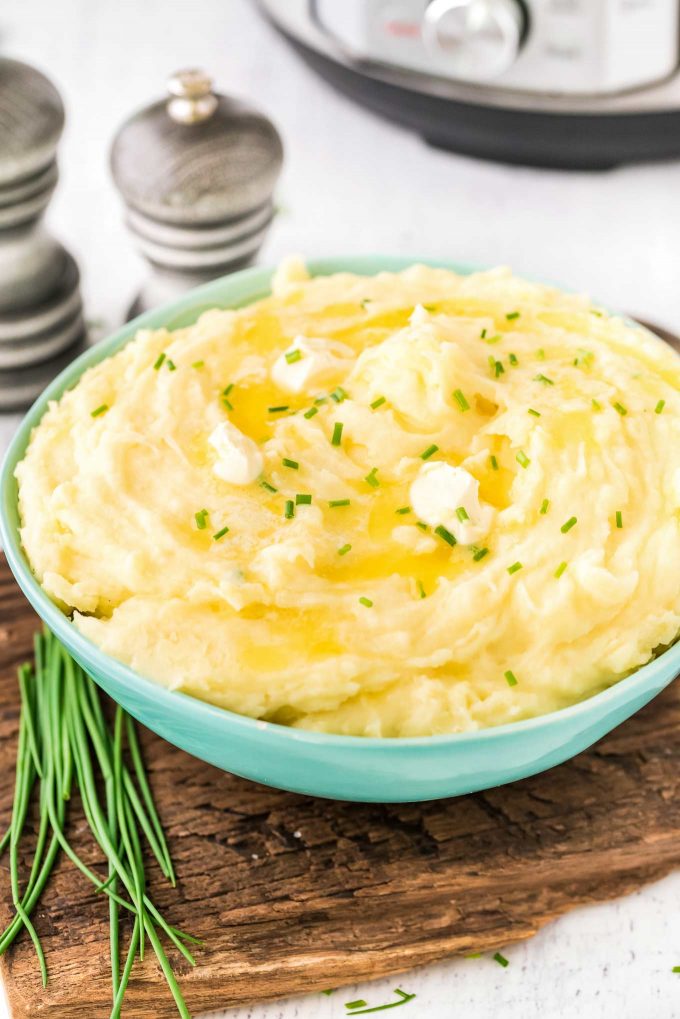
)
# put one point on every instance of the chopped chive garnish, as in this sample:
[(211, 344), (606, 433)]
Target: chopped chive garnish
[(402, 510), (344, 549), (311, 412), (660, 406), (197, 364), (500, 959), (171, 365), (512, 315), (620, 409), (303, 499), (619, 519), (379, 402), (334, 503), (98, 411), (220, 534), (201, 519), (321, 399), (422, 526), (421, 589), (459, 397), (494, 339), (430, 451), (366, 601), (496, 367), (159, 361), (676, 969), (430, 307), (514, 568), (289, 509), (359, 1003), (536, 413), (511, 680), (338, 394), (293, 464), (540, 354), (512, 358), (227, 403), (494, 462), (479, 553), (279, 409), (568, 525), (560, 570), (522, 459), (337, 433), (371, 478), (596, 404), (364, 302), (544, 507), (583, 358), (462, 514), (544, 379), (270, 488), (445, 535), (293, 355), (482, 335), (227, 389)]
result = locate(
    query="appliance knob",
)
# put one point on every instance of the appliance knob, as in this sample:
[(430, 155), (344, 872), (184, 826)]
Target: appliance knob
[(478, 39)]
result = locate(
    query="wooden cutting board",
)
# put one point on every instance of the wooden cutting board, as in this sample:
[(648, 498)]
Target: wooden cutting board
[(294, 894)]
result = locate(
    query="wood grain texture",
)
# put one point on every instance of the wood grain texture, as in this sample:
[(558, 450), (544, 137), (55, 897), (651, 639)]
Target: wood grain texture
[(294, 894)]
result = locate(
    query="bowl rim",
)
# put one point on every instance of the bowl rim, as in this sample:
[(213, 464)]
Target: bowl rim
[(228, 292)]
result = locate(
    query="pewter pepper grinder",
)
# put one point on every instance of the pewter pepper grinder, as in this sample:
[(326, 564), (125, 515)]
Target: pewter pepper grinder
[(41, 322), (196, 172)]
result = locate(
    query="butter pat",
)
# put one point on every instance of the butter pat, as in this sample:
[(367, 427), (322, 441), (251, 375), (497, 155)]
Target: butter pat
[(439, 490), (239, 461), (309, 361)]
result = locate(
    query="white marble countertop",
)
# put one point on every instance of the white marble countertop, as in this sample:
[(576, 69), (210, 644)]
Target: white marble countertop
[(354, 183)]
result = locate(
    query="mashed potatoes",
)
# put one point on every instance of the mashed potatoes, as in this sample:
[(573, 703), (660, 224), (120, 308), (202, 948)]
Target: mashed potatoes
[(400, 505)]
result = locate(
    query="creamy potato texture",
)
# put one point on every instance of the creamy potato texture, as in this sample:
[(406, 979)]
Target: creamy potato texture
[(397, 505)]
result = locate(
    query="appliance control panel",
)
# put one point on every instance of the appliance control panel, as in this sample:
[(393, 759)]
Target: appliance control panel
[(569, 47)]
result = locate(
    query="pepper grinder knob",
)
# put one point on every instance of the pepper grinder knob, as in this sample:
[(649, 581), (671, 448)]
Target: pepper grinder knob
[(196, 171), (41, 322)]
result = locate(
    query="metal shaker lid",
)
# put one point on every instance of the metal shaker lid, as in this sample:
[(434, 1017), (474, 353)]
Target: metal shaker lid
[(31, 122), (197, 157)]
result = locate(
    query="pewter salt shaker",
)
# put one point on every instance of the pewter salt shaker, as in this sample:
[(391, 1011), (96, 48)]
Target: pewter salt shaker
[(196, 171), (41, 322)]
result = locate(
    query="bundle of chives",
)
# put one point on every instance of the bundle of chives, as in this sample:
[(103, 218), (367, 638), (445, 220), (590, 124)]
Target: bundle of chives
[(66, 742)]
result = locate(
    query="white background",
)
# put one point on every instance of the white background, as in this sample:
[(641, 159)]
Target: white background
[(353, 183)]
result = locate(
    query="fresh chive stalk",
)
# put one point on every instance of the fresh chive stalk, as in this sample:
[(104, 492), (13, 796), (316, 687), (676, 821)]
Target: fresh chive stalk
[(65, 743)]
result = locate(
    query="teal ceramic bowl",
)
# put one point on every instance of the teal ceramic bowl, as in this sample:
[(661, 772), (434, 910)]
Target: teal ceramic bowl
[(340, 767)]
